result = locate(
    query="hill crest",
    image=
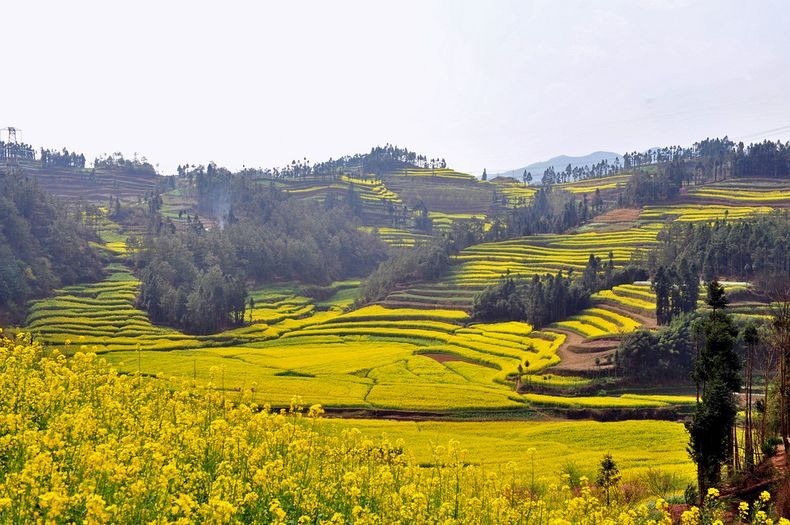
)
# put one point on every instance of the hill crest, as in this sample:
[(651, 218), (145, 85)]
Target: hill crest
[(559, 163)]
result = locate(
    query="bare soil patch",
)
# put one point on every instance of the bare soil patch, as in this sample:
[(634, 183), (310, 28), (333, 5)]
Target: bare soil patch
[(619, 215)]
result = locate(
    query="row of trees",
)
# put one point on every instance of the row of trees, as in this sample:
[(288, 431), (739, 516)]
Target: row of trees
[(651, 187), (16, 150), (677, 290), (64, 158), (380, 160), (186, 284), (117, 160), (658, 356), (719, 158), (737, 249), (576, 173), (538, 301)]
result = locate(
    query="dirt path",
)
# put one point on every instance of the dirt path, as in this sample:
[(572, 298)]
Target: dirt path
[(578, 361)]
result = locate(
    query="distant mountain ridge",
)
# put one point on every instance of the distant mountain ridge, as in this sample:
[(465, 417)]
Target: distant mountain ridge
[(559, 164)]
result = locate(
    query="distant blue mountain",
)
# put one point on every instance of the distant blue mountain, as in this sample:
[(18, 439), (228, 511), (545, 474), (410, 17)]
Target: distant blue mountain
[(559, 164)]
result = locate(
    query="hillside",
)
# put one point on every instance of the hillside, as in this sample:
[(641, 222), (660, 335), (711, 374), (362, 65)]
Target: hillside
[(291, 255), (91, 185), (43, 245), (417, 350)]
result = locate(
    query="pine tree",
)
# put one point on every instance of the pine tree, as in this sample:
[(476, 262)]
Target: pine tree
[(717, 374), (608, 475)]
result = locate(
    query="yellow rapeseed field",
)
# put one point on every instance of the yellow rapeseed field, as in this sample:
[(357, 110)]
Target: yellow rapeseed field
[(83, 444)]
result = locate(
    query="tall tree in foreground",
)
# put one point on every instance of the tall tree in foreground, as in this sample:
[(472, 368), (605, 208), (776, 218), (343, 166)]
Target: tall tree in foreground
[(750, 339), (779, 293), (717, 374)]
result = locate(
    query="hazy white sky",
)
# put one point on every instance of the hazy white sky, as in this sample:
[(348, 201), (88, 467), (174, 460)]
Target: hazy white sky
[(494, 84)]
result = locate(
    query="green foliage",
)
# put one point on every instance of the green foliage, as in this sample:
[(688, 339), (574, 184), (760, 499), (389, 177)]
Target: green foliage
[(742, 248), (709, 432), (676, 289), (421, 263), (539, 301), (43, 245), (551, 210), (543, 300), (608, 475), (646, 188), (717, 373), (196, 279), (716, 298)]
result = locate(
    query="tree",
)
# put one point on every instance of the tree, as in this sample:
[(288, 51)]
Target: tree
[(751, 339), (717, 373), (716, 298), (662, 287), (779, 340), (608, 475), (709, 433), (597, 202)]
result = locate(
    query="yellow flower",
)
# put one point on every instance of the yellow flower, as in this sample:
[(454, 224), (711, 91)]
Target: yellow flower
[(277, 510), (54, 502), (765, 496), (713, 492)]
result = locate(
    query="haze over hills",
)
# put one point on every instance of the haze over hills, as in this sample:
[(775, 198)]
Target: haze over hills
[(559, 163)]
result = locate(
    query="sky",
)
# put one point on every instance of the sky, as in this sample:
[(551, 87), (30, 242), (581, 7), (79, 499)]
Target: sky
[(489, 84)]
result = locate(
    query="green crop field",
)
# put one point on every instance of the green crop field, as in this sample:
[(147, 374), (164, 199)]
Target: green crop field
[(501, 445)]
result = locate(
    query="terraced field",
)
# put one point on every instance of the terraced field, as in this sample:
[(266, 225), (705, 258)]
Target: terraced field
[(378, 204), (444, 191), (606, 185), (417, 350), (397, 237), (741, 191), (484, 264), (702, 212), (516, 193), (443, 222), (372, 357), (91, 185)]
